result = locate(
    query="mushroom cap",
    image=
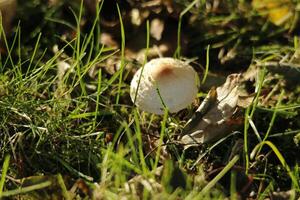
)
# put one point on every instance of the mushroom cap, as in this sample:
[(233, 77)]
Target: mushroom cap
[(164, 81)]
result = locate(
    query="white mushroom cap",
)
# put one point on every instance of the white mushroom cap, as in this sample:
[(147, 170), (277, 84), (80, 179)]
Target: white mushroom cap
[(164, 79)]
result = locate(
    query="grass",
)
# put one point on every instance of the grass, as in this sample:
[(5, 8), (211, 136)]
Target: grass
[(77, 135), (4, 171), (214, 181), (122, 55)]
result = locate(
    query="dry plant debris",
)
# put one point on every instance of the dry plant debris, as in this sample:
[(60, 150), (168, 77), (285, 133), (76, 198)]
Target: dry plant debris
[(218, 114)]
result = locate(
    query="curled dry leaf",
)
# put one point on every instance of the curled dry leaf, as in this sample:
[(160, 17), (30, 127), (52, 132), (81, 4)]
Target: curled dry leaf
[(218, 114)]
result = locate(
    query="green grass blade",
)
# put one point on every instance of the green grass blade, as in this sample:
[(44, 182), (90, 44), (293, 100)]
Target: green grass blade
[(206, 66), (72, 170), (140, 142), (161, 137), (4, 172), (274, 116), (249, 115), (280, 158), (95, 23), (272, 119), (27, 189), (98, 97), (131, 144), (266, 192), (178, 49), (123, 161), (33, 53), (213, 182), (144, 62), (246, 143), (122, 55), (9, 49), (262, 74), (233, 194), (188, 8), (78, 54), (293, 132), (63, 187)]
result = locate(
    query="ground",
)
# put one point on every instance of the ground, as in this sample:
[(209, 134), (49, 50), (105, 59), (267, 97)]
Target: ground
[(69, 130)]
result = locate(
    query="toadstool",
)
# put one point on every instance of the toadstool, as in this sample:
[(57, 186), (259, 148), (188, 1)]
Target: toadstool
[(165, 82)]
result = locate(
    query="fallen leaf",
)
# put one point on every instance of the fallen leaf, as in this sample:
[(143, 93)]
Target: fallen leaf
[(218, 114)]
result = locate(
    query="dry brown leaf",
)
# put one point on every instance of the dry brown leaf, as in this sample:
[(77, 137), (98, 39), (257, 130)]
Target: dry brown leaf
[(216, 116)]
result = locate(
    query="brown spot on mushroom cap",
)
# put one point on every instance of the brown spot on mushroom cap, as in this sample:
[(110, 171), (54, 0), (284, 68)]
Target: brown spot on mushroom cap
[(162, 71)]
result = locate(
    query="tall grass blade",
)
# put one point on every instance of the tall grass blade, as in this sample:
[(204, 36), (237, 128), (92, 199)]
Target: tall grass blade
[(140, 141), (33, 53), (246, 143), (206, 66), (122, 55), (27, 189), (274, 116), (63, 187), (213, 182), (145, 60), (280, 158), (98, 97), (188, 8), (4, 172), (161, 137)]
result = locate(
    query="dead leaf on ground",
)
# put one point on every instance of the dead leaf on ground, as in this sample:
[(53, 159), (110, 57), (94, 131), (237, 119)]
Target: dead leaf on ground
[(218, 114)]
